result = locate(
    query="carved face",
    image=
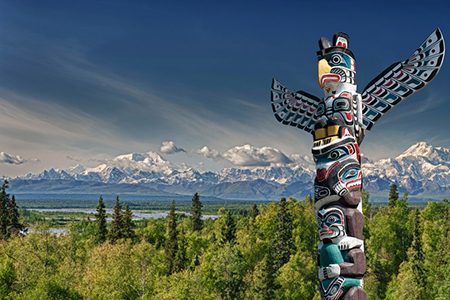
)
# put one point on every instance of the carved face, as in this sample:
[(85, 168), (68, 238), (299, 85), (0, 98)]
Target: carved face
[(335, 68), (338, 107), (331, 223), (338, 170)]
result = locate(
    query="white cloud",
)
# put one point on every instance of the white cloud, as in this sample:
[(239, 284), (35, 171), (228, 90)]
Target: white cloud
[(11, 159), (208, 153), (248, 155), (169, 147)]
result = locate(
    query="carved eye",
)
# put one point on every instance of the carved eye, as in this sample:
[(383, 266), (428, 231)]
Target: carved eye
[(336, 59), (331, 220), (335, 154), (341, 104), (351, 173), (319, 222)]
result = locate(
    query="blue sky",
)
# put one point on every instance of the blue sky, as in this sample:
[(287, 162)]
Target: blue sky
[(84, 81)]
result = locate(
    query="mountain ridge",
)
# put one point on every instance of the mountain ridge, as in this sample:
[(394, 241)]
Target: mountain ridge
[(422, 171)]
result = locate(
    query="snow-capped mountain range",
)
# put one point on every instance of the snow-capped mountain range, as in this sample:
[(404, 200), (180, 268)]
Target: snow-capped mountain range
[(422, 170)]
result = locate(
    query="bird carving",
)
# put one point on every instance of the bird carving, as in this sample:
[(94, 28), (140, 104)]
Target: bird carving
[(336, 75)]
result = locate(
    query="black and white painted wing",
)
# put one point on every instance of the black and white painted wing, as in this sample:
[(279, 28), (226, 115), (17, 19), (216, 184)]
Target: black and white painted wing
[(295, 109), (402, 79)]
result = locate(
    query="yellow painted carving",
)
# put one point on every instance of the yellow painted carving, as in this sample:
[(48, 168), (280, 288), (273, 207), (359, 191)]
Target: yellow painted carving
[(322, 68), (320, 134), (333, 130)]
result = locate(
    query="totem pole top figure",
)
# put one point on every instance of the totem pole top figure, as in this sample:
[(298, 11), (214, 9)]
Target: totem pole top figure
[(336, 74), (336, 69)]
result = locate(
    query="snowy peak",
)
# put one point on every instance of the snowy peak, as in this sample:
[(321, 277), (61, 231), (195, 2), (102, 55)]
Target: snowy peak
[(423, 149), (133, 162), (419, 149), (421, 163), (76, 169)]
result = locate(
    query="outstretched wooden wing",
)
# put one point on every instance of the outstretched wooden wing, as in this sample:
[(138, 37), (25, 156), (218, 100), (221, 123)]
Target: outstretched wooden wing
[(402, 79), (295, 109)]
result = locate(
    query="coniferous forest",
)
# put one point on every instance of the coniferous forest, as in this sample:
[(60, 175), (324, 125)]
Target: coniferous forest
[(268, 252)]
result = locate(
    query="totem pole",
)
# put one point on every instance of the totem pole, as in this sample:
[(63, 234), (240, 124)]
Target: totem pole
[(338, 123)]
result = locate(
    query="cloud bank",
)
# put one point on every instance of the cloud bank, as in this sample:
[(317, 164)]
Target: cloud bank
[(251, 156), (248, 156), (11, 159), (208, 153), (169, 147)]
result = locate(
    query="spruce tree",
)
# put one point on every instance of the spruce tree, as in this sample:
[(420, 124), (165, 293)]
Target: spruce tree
[(228, 231), (13, 215), (172, 241), (393, 195), (402, 202), (281, 244), (128, 224), (255, 212), (100, 216), (4, 203), (116, 229), (196, 209)]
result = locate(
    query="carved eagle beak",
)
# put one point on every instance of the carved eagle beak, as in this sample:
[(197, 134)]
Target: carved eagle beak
[(322, 69)]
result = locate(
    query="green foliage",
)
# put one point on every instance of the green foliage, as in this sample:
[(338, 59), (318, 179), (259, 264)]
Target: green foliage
[(121, 271), (281, 245), (231, 257), (154, 232), (196, 209), (393, 195), (298, 278), (367, 212), (416, 255), (227, 272), (410, 282), (255, 212), (116, 228), (172, 242), (304, 233), (8, 278), (13, 215), (128, 224), (4, 201), (100, 216), (9, 214), (228, 230), (389, 240), (263, 285)]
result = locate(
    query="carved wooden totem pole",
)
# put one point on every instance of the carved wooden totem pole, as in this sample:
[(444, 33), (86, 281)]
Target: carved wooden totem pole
[(338, 123)]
